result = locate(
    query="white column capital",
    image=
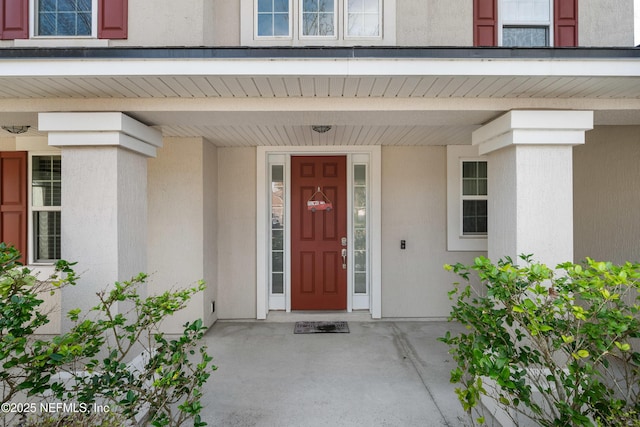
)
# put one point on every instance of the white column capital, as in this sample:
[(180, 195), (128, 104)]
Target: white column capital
[(100, 129), (533, 127)]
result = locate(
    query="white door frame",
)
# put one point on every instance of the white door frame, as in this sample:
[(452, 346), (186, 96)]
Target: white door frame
[(263, 240)]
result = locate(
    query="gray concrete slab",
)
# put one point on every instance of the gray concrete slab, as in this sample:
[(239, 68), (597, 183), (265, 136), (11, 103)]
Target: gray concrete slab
[(380, 374)]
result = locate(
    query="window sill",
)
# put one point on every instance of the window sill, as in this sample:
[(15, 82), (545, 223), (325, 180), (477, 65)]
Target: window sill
[(61, 42)]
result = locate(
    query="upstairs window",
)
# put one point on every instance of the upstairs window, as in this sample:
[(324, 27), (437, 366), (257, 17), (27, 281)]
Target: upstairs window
[(49, 20), (273, 18), (526, 23), (319, 18), (363, 18), (317, 22), (64, 17)]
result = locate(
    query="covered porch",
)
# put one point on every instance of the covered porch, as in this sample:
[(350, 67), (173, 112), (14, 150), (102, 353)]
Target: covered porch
[(191, 176)]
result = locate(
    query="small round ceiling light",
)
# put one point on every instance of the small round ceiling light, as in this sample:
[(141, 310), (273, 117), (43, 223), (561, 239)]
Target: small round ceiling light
[(321, 128), (16, 130)]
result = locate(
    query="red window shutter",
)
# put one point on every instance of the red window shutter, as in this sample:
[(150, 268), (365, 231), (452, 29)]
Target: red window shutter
[(13, 200), (113, 17), (485, 21), (14, 19), (566, 23)]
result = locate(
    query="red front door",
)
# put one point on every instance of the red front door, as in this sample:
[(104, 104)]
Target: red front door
[(318, 273)]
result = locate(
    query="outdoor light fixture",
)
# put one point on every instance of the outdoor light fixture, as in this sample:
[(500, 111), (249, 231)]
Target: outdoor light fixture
[(16, 129), (321, 128)]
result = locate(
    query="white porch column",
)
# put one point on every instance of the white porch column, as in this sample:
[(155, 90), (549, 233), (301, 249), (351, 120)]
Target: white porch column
[(531, 182), (104, 198)]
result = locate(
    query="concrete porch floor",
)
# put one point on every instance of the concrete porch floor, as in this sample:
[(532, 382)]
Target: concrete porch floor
[(382, 373)]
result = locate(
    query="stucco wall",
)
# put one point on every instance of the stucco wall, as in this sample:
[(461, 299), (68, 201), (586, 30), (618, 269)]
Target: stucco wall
[(236, 233), (434, 23), (606, 196), (605, 23), (226, 22), (414, 283), (178, 254), (169, 23)]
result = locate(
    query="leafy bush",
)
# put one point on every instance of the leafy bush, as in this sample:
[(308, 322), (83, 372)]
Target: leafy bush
[(94, 362), (558, 347)]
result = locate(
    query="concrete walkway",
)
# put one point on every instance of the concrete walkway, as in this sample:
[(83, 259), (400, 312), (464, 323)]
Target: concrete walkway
[(380, 374)]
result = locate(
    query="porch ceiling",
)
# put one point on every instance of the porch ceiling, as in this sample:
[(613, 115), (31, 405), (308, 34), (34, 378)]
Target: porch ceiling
[(246, 98)]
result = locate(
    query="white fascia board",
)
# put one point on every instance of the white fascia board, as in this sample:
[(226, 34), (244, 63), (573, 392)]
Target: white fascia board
[(320, 67)]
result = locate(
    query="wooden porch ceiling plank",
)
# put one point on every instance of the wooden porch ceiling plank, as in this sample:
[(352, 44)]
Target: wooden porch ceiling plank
[(452, 87), (205, 87), (135, 88), (219, 86), (191, 87), (509, 88), (423, 86), (467, 86), (437, 87), (380, 87), (144, 85), (249, 87), (235, 87), (336, 87), (277, 87), (18, 88), (350, 87), (321, 87), (263, 86), (293, 87), (408, 87), (394, 87)]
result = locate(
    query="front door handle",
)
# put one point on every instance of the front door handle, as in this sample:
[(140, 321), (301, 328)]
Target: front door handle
[(344, 259)]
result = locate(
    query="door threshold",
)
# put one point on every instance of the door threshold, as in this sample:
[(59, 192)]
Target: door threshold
[(319, 316)]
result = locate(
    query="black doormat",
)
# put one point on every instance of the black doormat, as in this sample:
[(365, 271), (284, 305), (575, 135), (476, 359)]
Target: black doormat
[(321, 328)]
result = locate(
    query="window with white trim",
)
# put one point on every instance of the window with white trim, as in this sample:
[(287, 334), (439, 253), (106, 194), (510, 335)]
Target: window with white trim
[(318, 18), (46, 207), (273, 18), (363, 18), (64, 18), (526, 23), (323, 22), (474, 197), (467, 199)]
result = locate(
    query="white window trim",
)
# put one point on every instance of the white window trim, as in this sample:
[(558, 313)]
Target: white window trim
[(30, 232), (337, 24), (32, 24), (381, 9), (248, 28), (354, 154), (504, 23), (456, 240), (254, 19)]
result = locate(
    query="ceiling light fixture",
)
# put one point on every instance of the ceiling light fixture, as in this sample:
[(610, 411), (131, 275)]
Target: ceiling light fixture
[(17, 130), (321, 128)]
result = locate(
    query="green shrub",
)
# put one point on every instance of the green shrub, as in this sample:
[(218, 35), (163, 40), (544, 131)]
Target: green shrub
[(559, 347), (95, 363)]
